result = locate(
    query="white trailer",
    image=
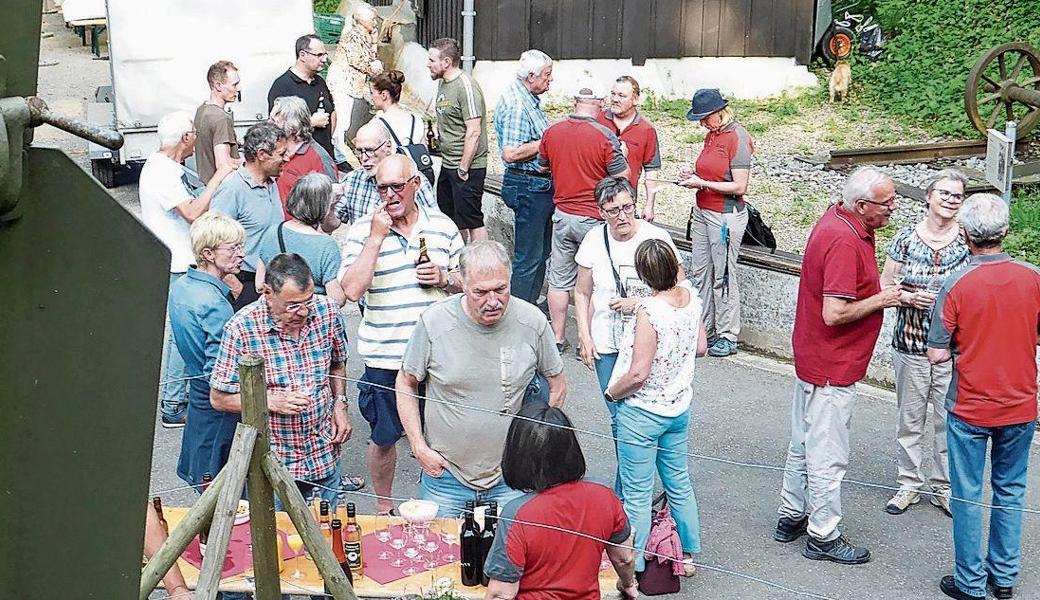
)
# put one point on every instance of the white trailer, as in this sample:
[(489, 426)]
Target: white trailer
[(159, 52)]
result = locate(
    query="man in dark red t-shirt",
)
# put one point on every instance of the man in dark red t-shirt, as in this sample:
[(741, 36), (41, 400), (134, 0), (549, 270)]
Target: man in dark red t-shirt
[(837, 322), (637, 135), (986, 318), (579, 152)]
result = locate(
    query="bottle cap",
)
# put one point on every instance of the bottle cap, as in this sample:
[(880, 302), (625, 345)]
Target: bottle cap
[(336, 524)]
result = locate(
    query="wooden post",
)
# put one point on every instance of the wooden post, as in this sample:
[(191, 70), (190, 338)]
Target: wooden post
[(174, 546), (224, 513), (253, 390), (303, 519)]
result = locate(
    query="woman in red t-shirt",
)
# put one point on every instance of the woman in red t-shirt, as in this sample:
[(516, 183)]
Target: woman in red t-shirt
[(719, 218), (291, 114)]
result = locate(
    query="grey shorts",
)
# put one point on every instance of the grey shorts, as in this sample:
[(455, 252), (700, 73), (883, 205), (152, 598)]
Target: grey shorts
[(568, 232)]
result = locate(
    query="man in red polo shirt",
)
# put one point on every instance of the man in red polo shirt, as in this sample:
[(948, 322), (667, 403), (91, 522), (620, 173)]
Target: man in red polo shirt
[(989, 314), (579, 152), (638, 137), (836, 324)]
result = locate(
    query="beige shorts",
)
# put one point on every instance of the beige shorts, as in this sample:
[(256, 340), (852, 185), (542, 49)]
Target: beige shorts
[(568, 232)]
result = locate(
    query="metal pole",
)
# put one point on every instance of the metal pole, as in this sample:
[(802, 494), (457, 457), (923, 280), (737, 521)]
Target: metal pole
[(468, 12), (1010, 132)]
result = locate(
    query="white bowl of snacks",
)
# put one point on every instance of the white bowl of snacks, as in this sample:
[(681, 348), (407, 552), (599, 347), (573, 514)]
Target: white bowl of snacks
[(418, 512), (242, 512)]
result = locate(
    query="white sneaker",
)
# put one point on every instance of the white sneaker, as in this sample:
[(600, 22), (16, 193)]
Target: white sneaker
[(903, 500), (942, 501)]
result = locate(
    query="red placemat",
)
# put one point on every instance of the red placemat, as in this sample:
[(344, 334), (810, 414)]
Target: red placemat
[(239, 557), (383, 572)]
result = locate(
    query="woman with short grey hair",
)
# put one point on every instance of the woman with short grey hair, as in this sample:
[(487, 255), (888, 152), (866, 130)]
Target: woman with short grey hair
[(292, 115), (308, 204), (920, 257)]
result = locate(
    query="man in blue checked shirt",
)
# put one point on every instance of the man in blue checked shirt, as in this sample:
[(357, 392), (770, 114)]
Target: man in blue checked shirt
[(519, 122)]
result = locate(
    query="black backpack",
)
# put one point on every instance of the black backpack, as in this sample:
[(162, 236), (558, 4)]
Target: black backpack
[(419, 154)]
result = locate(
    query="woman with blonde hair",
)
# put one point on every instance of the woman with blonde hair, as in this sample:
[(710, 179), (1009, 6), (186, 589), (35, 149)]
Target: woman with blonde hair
[(719, 217)]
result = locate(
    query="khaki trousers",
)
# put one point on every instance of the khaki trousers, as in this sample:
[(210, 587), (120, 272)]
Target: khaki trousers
[(918, 385), (720, 298), (817, 456)]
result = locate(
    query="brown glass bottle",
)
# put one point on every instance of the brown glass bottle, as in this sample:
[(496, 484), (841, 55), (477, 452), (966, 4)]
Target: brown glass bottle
[(337, 550), (352, 541), (207, 478), (157, 504), (424, 257), (431, 140)]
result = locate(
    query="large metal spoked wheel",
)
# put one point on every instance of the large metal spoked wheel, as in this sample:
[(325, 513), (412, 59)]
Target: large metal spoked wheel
[(1004, 85)]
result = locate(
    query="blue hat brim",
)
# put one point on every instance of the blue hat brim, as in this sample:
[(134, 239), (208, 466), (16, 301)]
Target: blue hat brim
[(697, 116)]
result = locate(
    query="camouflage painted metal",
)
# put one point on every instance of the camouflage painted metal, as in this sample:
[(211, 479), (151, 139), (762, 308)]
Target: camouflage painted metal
[(84, 290)]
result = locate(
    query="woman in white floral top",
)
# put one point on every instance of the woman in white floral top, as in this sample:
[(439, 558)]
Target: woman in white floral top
[(354, 63), (920, 257), (652, 383)]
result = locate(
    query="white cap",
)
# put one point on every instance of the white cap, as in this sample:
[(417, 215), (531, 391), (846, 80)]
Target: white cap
[(589, 89)]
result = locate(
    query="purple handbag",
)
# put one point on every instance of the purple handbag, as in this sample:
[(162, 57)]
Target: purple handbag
[(658, 576)]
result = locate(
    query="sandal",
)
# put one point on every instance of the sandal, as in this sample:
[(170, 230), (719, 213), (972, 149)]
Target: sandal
[(689, 569), (351, 483)]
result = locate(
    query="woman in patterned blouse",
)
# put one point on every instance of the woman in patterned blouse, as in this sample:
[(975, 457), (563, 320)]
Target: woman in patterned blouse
[(920, 257), (354, 63)]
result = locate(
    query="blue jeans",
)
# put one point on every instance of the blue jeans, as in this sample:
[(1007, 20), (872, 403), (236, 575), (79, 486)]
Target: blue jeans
[(604, 369), (640, 433), (451, 495), (307, 489), (1009, 459), (530, 198), (537, 391), (173, 396)]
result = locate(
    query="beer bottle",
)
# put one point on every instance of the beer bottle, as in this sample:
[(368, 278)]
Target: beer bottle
[(487, 538), (324, 521), (157, 504), (431, 140), (352, 541), (207, 478), (469, 539), (337, 550), (424, 257)]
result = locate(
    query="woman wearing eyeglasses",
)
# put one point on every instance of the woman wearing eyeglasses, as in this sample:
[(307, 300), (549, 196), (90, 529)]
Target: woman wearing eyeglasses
[(608, 287), (920, 257)]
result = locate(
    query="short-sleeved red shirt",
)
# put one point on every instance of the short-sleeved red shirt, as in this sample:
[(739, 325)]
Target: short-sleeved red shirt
[(579, 153), (549, 563), (839, 261), (990, 316), (640, 138), (305, 161), (724, 150)]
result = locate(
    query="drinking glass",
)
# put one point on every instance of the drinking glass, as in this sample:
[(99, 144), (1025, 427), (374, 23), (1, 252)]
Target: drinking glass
[(397, 543), (450, 539), (935, 284), (296, 544), (413, 555)]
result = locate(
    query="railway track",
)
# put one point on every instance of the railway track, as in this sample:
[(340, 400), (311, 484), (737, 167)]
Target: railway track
[(898, 155)]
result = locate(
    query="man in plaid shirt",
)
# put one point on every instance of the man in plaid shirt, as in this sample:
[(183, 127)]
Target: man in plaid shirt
[(304, 345), (519, 122), (360, 197)]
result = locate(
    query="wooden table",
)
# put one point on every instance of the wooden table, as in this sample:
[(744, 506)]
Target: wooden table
[(364, 587)]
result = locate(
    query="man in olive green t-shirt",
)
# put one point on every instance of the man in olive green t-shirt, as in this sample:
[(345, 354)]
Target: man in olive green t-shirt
[(463, 140), (216, 143)]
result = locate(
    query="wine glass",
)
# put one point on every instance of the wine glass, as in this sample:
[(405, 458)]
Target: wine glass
[(450, 539), (397, 543), (935, 284), (413, 555), (900, 274), (296, 544)]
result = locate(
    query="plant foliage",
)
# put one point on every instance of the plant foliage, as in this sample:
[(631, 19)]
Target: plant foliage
[(326, 6), (933, 47)]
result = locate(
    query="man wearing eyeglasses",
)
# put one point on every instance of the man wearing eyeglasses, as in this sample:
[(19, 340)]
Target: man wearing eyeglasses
[(837, 322), (380, 264), (360, 196), (304, 346), (302, 79)]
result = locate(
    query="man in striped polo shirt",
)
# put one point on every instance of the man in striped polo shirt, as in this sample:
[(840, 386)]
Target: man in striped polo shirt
[(379, 260)]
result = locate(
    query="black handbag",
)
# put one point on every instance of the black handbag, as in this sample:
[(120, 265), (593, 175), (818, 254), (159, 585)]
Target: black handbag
[(419, 154), (757, 233)]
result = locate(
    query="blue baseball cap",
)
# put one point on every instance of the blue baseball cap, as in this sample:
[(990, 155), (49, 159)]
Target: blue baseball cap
[(705, 102)]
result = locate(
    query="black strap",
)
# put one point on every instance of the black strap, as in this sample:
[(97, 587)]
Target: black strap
[(391, 130), (411, 132), (281, 239), (617, 278)]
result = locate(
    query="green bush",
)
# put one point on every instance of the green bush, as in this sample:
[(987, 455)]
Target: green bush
[(1023, 240), (935, 43), (326, 6)]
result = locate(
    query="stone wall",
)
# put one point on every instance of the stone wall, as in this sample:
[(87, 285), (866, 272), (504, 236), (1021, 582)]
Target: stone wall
[(767, 300)]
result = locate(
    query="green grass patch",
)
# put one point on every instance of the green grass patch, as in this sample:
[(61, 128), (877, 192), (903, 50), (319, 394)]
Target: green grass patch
[(326, 6), (1023, 240)]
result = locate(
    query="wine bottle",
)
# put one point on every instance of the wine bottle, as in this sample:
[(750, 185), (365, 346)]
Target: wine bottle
[(487, 538), (352, 541), (324, 521), (469, 539), (337, 550)]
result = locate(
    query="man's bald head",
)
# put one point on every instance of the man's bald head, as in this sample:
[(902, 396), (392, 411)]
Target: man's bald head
[(373, 145), (397, 183), (395, 166)]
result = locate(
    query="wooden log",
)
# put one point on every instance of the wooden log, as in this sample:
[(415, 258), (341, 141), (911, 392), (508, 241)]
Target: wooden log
[(253, 389), (224, 513), (199, 515), (303, 519)]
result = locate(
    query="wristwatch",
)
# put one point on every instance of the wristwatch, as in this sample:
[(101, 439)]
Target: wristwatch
[(342, 398), (608, 397), (463, 173)]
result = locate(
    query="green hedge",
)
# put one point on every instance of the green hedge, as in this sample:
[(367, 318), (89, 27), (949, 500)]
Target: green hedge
[(935, 43), (326, 6)]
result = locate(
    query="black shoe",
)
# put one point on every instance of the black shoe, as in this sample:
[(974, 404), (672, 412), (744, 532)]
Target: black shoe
[(999, 592), (789, 530), (949, 587), (838, 550)]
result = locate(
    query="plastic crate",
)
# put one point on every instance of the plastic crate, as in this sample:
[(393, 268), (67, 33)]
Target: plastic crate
[(329, 27)]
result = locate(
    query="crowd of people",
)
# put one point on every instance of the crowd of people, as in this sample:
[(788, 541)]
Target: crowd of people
[(455, 339)]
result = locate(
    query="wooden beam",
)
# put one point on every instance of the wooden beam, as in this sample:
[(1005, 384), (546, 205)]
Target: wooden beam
[(200, 514), (303, 519), (224, 513), (253, 388)]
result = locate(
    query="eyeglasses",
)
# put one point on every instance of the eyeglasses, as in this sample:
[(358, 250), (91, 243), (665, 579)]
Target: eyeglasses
[(362, 152), (318, 54), (890, 203), (295, 307), (233, 248), (628, 209), (947, 195), (384, 188)]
